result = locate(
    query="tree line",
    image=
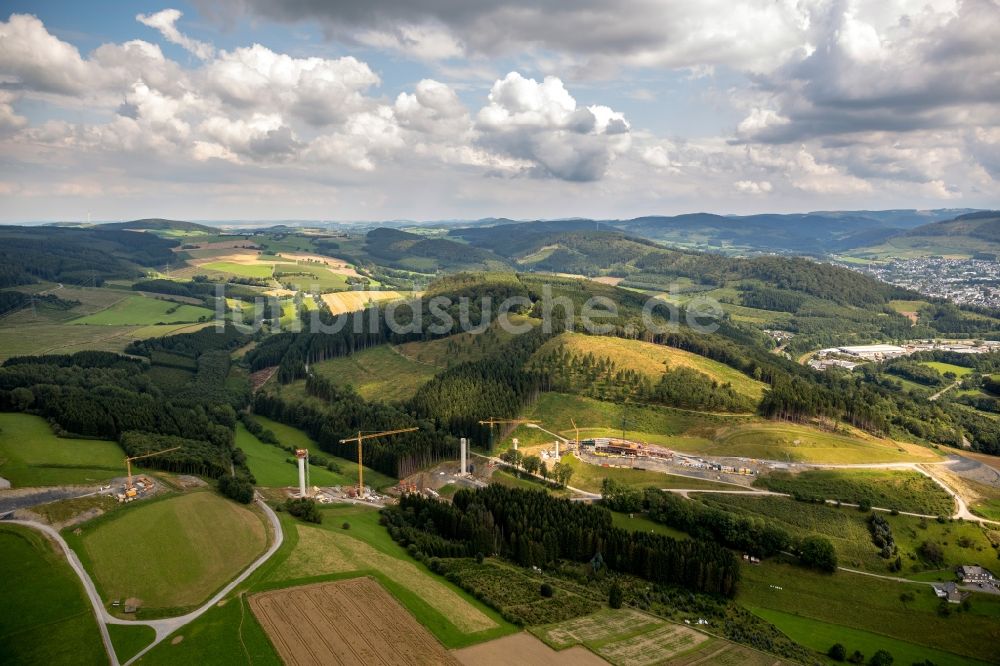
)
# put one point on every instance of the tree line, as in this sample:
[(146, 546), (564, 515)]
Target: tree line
[(533, 528)]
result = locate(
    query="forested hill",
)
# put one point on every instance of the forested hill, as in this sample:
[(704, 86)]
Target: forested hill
[(390, 246), (816, 233), (78, 256), (157, 224), (983, 225)]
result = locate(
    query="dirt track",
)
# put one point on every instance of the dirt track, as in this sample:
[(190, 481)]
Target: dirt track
[(344, 622)]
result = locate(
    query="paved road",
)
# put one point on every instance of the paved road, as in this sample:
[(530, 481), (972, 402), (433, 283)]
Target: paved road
[(166, 626)]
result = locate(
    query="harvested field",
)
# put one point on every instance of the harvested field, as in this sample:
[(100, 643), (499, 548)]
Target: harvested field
[(599, 626), (345, 622), (652, 647), (625, 637), (523, 648), (338, 266), (325, 551), (352, 301)]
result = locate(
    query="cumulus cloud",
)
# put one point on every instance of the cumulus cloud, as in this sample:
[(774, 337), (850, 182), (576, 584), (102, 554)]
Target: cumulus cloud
[(166, 22), (36, 60), (542, 123)]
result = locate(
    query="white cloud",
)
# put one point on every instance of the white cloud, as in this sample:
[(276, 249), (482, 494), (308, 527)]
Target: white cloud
[(753, 187), (36, 60), (166, 22), (541, 123)]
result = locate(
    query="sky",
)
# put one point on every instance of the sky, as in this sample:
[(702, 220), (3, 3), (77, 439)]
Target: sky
[(463, 109)]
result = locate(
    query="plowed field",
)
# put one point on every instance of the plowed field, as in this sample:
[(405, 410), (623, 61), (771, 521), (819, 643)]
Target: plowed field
[(345, 622)]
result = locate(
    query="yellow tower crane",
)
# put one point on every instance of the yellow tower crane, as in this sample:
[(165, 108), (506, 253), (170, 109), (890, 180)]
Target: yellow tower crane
[(492, 422), (362, 437), (576, 439), (129, 488)]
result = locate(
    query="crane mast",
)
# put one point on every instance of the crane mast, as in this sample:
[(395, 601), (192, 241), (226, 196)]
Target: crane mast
[(362, 437)]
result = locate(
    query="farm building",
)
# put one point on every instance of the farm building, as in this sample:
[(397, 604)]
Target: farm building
[(950, 592), (975, 574)]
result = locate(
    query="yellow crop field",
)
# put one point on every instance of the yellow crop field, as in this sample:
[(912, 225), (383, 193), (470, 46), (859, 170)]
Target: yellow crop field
[(352, 301)]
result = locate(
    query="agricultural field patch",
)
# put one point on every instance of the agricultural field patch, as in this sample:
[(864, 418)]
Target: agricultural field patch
[(903, 490), (45, 617), (248, 270), (957, 370), (344, 622), (873, 605), (32, 455), (310, 277), (332, 549), (524, 648), (379, 373), (351, 301), (515, 591), (628, 637), (37, 339), (819, 635), (142, 311), (170, 553)]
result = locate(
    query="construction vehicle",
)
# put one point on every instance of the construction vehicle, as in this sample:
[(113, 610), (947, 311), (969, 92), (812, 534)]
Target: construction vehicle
[(130, 491), (362, 437), (492, 422)]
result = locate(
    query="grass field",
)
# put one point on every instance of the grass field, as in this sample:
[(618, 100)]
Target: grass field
[(142, 311), (589, 477), (31, 455), (45, 617), (129, 639), (872, 605), (60, 338), (239, 269), (170, 553), (229, 632), (314, 278), (379, 373), (656, 425), (269, 465), (819, 635), (798, 443), (294, 437), (652, 359), (903, 490), (639, 523), (707, 434), (352, 301), (958, 370), (847, 529)]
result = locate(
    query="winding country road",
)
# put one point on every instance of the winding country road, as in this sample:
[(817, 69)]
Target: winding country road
[(166, 626)]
